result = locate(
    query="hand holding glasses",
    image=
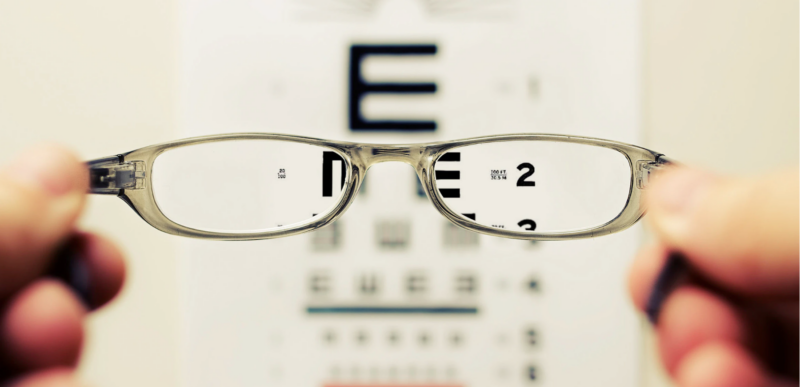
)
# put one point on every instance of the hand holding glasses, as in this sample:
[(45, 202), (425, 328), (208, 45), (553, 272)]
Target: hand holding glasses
[(258, 186)]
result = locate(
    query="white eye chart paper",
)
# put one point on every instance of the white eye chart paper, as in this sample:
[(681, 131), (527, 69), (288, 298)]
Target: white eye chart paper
[(392, 294)]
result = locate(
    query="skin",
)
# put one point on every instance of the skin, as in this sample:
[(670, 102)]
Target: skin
[(734, 325), (42, 194), (735, 322)]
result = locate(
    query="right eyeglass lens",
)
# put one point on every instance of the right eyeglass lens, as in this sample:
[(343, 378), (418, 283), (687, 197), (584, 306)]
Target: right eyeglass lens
[(536, 186), (247, 186)]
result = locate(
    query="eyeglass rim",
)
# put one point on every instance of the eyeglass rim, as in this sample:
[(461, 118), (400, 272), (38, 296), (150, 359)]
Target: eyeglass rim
[(358, 157)]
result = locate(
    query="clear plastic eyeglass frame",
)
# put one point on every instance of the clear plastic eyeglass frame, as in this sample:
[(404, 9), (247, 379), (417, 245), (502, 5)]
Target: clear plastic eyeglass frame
[(129, 176)]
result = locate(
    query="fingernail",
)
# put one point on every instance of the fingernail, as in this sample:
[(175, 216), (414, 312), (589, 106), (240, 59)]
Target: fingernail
[(48, 168), (69, 266), (678, 192), (674, 273)]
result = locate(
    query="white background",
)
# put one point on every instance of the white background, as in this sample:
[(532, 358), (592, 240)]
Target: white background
[(100, 76)]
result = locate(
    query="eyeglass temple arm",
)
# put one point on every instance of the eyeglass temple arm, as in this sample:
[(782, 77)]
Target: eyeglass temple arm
[(646, 168), (111, 175)]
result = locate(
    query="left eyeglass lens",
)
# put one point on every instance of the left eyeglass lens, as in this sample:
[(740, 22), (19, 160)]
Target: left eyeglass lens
[(247, 186)]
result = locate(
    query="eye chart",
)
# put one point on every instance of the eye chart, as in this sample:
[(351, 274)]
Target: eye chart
[(392, 294)]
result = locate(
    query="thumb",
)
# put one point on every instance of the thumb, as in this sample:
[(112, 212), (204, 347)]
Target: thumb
[(41, 194), (740, 232)]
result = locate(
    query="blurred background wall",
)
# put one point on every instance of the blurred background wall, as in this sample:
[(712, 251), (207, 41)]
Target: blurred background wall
[(720, 82), (720, 91)]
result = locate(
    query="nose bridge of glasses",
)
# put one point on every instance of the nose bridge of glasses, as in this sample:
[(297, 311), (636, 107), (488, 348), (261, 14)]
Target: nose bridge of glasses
[(376, 153)]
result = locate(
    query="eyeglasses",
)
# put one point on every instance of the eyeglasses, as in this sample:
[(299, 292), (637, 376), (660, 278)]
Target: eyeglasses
[(258, 186)]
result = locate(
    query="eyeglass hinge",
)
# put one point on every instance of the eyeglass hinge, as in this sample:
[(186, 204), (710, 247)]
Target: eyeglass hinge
[(110, 175), (644, 168)]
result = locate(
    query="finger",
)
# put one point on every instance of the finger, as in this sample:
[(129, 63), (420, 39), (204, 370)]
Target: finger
[(649, 263), (91, 266), (42, 327), (723, 364), (691, 317), (41, 195), (741, 233), (643, 272), (774, 336), (106, 267), (55, 377), (771, 324)]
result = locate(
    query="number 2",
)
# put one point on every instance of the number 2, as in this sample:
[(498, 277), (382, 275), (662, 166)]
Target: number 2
[(527, 222), (522, 182)]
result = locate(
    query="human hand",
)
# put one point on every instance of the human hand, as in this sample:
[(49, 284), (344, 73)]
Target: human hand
[(734, 321), (41, 320)]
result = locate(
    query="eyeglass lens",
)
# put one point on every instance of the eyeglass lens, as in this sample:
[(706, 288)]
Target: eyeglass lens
[(541, 186)]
